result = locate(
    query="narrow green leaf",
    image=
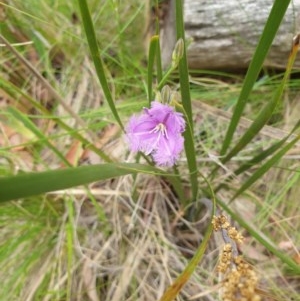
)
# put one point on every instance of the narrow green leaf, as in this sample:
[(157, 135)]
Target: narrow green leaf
[(36, 131), (173, 290), (252, 162), (28, 184), (266, 153), (151, 58), (92, 41), (259, 158), (14, 91), (268, 110), (265, 167), (159, 70), (276, 15), (254, 128), (183, 67), (186, 102), (45, 83)]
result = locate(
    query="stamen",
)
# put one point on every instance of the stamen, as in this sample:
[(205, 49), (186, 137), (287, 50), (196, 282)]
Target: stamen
[(161, 128)]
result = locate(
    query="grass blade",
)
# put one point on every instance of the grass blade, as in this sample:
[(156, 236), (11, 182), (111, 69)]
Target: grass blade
[(186, 102), (28, 184), (268, 110), (175, 288), (276, 15), (259, 237), (31, 126), (255, 160), (266, 153), (265, 167), (154, 44), (94, 49), (45, 83), (14, 91), (159, 69)]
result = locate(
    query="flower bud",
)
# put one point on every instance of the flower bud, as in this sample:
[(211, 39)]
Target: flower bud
[(175, 98), (177, 52), (166, 94)]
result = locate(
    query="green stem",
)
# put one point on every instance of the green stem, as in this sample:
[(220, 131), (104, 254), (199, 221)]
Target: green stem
[(165, 78)]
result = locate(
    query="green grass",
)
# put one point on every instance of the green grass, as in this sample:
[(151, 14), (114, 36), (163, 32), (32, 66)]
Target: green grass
[(133, 233)]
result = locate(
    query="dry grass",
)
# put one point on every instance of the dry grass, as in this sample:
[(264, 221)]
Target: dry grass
[(126, 239)]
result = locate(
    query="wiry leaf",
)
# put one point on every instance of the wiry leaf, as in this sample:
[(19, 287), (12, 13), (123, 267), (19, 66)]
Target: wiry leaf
[(92, 41), (154, 44), (266, 113), (276, 15)]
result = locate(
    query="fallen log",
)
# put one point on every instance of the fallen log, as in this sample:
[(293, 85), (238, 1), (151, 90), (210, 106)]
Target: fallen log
[(224, 34)]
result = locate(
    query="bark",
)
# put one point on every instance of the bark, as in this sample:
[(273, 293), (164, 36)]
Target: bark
[(224, 34)]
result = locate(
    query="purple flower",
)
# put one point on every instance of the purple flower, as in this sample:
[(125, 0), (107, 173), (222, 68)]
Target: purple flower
[(157, 132)]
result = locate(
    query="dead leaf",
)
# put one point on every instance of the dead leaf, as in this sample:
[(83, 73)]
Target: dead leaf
[(286, 245), (296, 258), (89, 280), (74, 154), (253, 252)]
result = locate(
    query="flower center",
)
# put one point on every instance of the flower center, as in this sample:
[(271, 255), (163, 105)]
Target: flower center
[(161, 129)]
